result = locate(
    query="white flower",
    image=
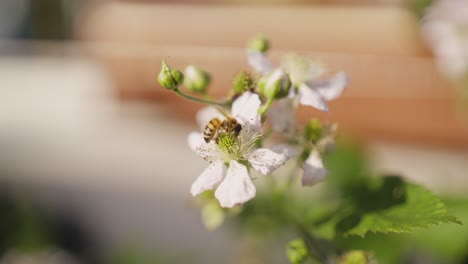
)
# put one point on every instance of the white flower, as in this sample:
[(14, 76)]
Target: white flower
[(281, 116), (312, 90), (259, 62), (313, 170), (445, 27), (235, 152), (306, 76)]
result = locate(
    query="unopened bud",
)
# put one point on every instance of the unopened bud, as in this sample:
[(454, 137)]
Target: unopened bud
[(313, 130), (297, 251), (354, 257), (243, 81), (275, 85), (170, 78), (196, 80), (259, 43)]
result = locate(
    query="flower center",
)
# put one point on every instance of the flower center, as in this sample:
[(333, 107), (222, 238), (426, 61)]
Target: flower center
[(228, 143)]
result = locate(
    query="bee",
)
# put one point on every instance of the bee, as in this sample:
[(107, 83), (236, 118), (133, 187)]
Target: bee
[(217, 126)]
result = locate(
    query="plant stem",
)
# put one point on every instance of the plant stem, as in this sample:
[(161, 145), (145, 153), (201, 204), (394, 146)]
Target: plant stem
[(199, 100), (262, 111)]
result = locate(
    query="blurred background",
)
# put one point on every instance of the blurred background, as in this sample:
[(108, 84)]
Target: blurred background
[(94, 166)]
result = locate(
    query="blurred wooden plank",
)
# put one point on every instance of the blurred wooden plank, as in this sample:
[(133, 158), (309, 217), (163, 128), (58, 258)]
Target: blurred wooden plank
[(135, 68), (370, 30), (395, 93)]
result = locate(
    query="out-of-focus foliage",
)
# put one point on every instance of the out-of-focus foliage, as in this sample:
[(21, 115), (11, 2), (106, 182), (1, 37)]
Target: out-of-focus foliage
[(137, 255), (354, 210), (447, 243), (31, 232), (419, 6), (354, 257), (297, 251), (22, 226)]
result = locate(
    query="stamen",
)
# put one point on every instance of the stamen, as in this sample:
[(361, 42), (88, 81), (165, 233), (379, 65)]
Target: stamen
[(228, 143)]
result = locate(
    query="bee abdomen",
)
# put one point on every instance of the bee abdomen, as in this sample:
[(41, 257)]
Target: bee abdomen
[(211, 129)]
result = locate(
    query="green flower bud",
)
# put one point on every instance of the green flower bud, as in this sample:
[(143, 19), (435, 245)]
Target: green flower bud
[(275, 85), (259, 43), (212, 215), (355, 257), (169, 78), (196, 80), (242, 82), (297, 251), (313, 130)]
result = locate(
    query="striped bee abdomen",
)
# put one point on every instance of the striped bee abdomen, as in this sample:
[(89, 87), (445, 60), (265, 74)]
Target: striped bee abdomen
[(211, 129)]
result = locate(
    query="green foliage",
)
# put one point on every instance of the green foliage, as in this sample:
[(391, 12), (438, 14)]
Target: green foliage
[(132, 254), (419, 6), (379, 204), (23, 226), (447, 243), (421, 209), (353, 210)]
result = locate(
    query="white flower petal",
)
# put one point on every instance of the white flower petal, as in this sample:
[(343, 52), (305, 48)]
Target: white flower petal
[(245, 110), (287, 149), (205, 114), (195, 140), (266, 161), (331, 88), (197, 144), (310, 97), (209, 178), (259, 61), (237, 187), (301, 69), (313, 169), (281, 116)]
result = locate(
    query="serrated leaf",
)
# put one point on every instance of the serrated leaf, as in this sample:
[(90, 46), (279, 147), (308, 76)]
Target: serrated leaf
[(421, 209)]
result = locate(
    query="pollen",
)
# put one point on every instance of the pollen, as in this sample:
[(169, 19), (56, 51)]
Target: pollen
[(228, 143)]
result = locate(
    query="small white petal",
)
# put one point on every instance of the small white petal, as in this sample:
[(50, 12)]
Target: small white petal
[(287, 149), (310, 97), (266, 161), (333, 87), (281, 116), (301, 69), (313, 169), (205, 114), (245, 110), (237, 187), (209, 178), (197, 144), (259, 62), (195, 140)]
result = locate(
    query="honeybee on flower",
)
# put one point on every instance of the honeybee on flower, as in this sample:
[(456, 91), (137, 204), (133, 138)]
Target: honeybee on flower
[(236, 151)]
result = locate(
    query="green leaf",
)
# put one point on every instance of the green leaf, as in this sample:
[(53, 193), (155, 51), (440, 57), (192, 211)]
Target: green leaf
[(421, 209), (447, 243)]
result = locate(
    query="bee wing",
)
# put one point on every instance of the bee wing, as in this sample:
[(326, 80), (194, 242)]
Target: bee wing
[(205, 114)]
